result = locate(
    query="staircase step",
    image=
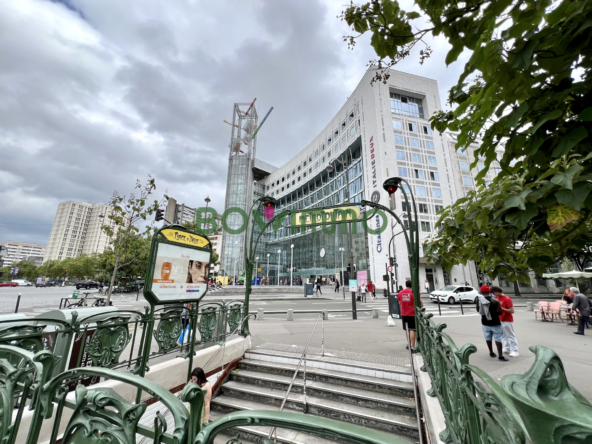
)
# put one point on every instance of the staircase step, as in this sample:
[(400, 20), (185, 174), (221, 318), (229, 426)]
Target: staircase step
[(371, 383), (362, 416), (336, 392)]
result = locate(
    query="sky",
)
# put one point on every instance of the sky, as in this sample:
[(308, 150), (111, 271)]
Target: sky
[(98, 94)]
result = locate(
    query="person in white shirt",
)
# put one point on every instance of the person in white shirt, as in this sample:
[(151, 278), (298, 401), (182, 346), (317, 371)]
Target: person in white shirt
[(427, 286), (363, 293)]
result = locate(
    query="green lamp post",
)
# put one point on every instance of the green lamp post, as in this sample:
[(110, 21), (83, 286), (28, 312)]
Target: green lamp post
[(251, 250), (411, 233)]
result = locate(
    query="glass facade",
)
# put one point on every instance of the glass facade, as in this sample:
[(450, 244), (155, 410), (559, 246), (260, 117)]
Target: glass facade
[(407, 106), (316, 251)]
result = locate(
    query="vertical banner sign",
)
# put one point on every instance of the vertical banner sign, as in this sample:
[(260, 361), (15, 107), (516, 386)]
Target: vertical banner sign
[(353, 285), (362, 277), (179, 265)]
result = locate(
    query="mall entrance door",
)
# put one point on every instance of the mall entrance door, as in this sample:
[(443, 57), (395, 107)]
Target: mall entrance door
[(430, 278)]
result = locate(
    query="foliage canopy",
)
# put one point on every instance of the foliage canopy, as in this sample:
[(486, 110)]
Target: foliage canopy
[(526, 90)]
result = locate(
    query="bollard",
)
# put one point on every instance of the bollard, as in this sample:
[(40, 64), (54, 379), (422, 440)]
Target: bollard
[(18, 301), (325, 315), (290, 315), (260, 314), (529, 306), (375, 313)]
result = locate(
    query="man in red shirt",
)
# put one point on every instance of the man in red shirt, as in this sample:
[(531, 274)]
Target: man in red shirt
[(406, 303), (507, 319)]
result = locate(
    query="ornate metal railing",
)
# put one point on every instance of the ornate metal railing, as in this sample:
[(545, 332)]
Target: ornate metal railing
[(117, 338), (539, 406)]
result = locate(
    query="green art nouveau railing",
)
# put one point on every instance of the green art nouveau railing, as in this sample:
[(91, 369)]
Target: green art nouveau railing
[(117, 339), (537, 407)]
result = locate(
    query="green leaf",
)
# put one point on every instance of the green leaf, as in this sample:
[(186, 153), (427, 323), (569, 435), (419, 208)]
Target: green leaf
[(574, 198), (586, 115), (551, 116), (566, 178), (520, 218), (567, 142), (454, 53), (413, 15), (517, 200), (523, 58)]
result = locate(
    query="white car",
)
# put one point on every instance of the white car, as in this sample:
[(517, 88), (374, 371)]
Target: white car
[(452, 294), (22, 282)]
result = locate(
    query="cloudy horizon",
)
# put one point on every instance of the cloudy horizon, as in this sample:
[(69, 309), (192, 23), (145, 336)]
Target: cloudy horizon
[(99, 94)]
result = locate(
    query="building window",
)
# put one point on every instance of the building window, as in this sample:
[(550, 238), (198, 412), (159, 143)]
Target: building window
[(425, 226), (351, 117), (407, 106), (352, 131), (414, 142), (310, 171), (412, 127), (464, 165), (416, 157), (432, 160), (299, 166), (401, 155), (316, 154), (342, 125), (316, 165), (329, 154), (427, 130), (323, 159), (299, 178), (420, 191), (293, 182), (399, 140), (467, 181), (434, 176), (418, 174), (480, 166), (438, 207), (328, 142), (397, 125), (344, 140), (336, 135), (436, 192), (402, 172), (283, 178), (429, 145), (423, 208), (304, 174)]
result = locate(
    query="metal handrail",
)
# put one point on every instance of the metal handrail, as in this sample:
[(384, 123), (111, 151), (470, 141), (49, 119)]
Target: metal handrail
[(415, 382), (240, 325), (302, 357)]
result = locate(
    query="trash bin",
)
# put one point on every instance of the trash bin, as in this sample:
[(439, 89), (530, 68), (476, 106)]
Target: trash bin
[(308, 290), (75, 294), (529, 306)]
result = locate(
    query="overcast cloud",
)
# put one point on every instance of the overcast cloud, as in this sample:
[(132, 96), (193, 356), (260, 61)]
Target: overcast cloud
[(96, 94)]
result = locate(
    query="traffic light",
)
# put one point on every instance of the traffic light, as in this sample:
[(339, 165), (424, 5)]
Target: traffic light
[(392, 261), (159, 215), (349, 268)]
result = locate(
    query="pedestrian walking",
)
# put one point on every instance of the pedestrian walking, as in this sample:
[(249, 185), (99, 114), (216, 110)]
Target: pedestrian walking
[(336, 286), (581, 305), (427, 286), (509, 341), (362, 293), (407, 305), (319, 286), (490, 310), (371, 289)]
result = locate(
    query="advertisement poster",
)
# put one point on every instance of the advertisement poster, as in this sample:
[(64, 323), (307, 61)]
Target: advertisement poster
[(353, 285), (362, 277), (180, 272)]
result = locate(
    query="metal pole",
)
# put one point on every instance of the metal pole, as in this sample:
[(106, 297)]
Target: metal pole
[(342, 283), (279, 252), (351, 244), (234, 274), (268, 269), (18, 301), (291, 263)]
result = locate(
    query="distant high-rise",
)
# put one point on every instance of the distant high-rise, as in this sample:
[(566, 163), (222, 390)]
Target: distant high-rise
[(22, 251), (77, 230)]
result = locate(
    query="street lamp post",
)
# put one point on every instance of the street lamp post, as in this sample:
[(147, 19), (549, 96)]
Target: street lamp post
[(291, 263), (235, 261), (411, 233), (342, 283), (268, 268), (330, 168), (279, 257), (208, 200)]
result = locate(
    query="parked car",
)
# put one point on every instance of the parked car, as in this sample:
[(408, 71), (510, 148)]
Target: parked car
[(454, 293), (41, 284), (54, 283), (8, 284), (22, 282), (87, 285)]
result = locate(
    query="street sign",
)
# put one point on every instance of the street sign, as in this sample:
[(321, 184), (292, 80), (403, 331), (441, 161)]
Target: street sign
[(390, 269), (178, 267), (353, 285)]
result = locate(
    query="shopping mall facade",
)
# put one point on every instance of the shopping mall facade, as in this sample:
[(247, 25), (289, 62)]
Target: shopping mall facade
[(381, 131)]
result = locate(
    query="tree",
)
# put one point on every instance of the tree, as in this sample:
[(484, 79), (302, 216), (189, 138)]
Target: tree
[(126, 236), (526, 91)]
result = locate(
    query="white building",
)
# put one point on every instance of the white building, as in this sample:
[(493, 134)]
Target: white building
[(21, 251), (77, 230)]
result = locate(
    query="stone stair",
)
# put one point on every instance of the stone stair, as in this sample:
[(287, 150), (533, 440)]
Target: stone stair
[(375, 396)]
